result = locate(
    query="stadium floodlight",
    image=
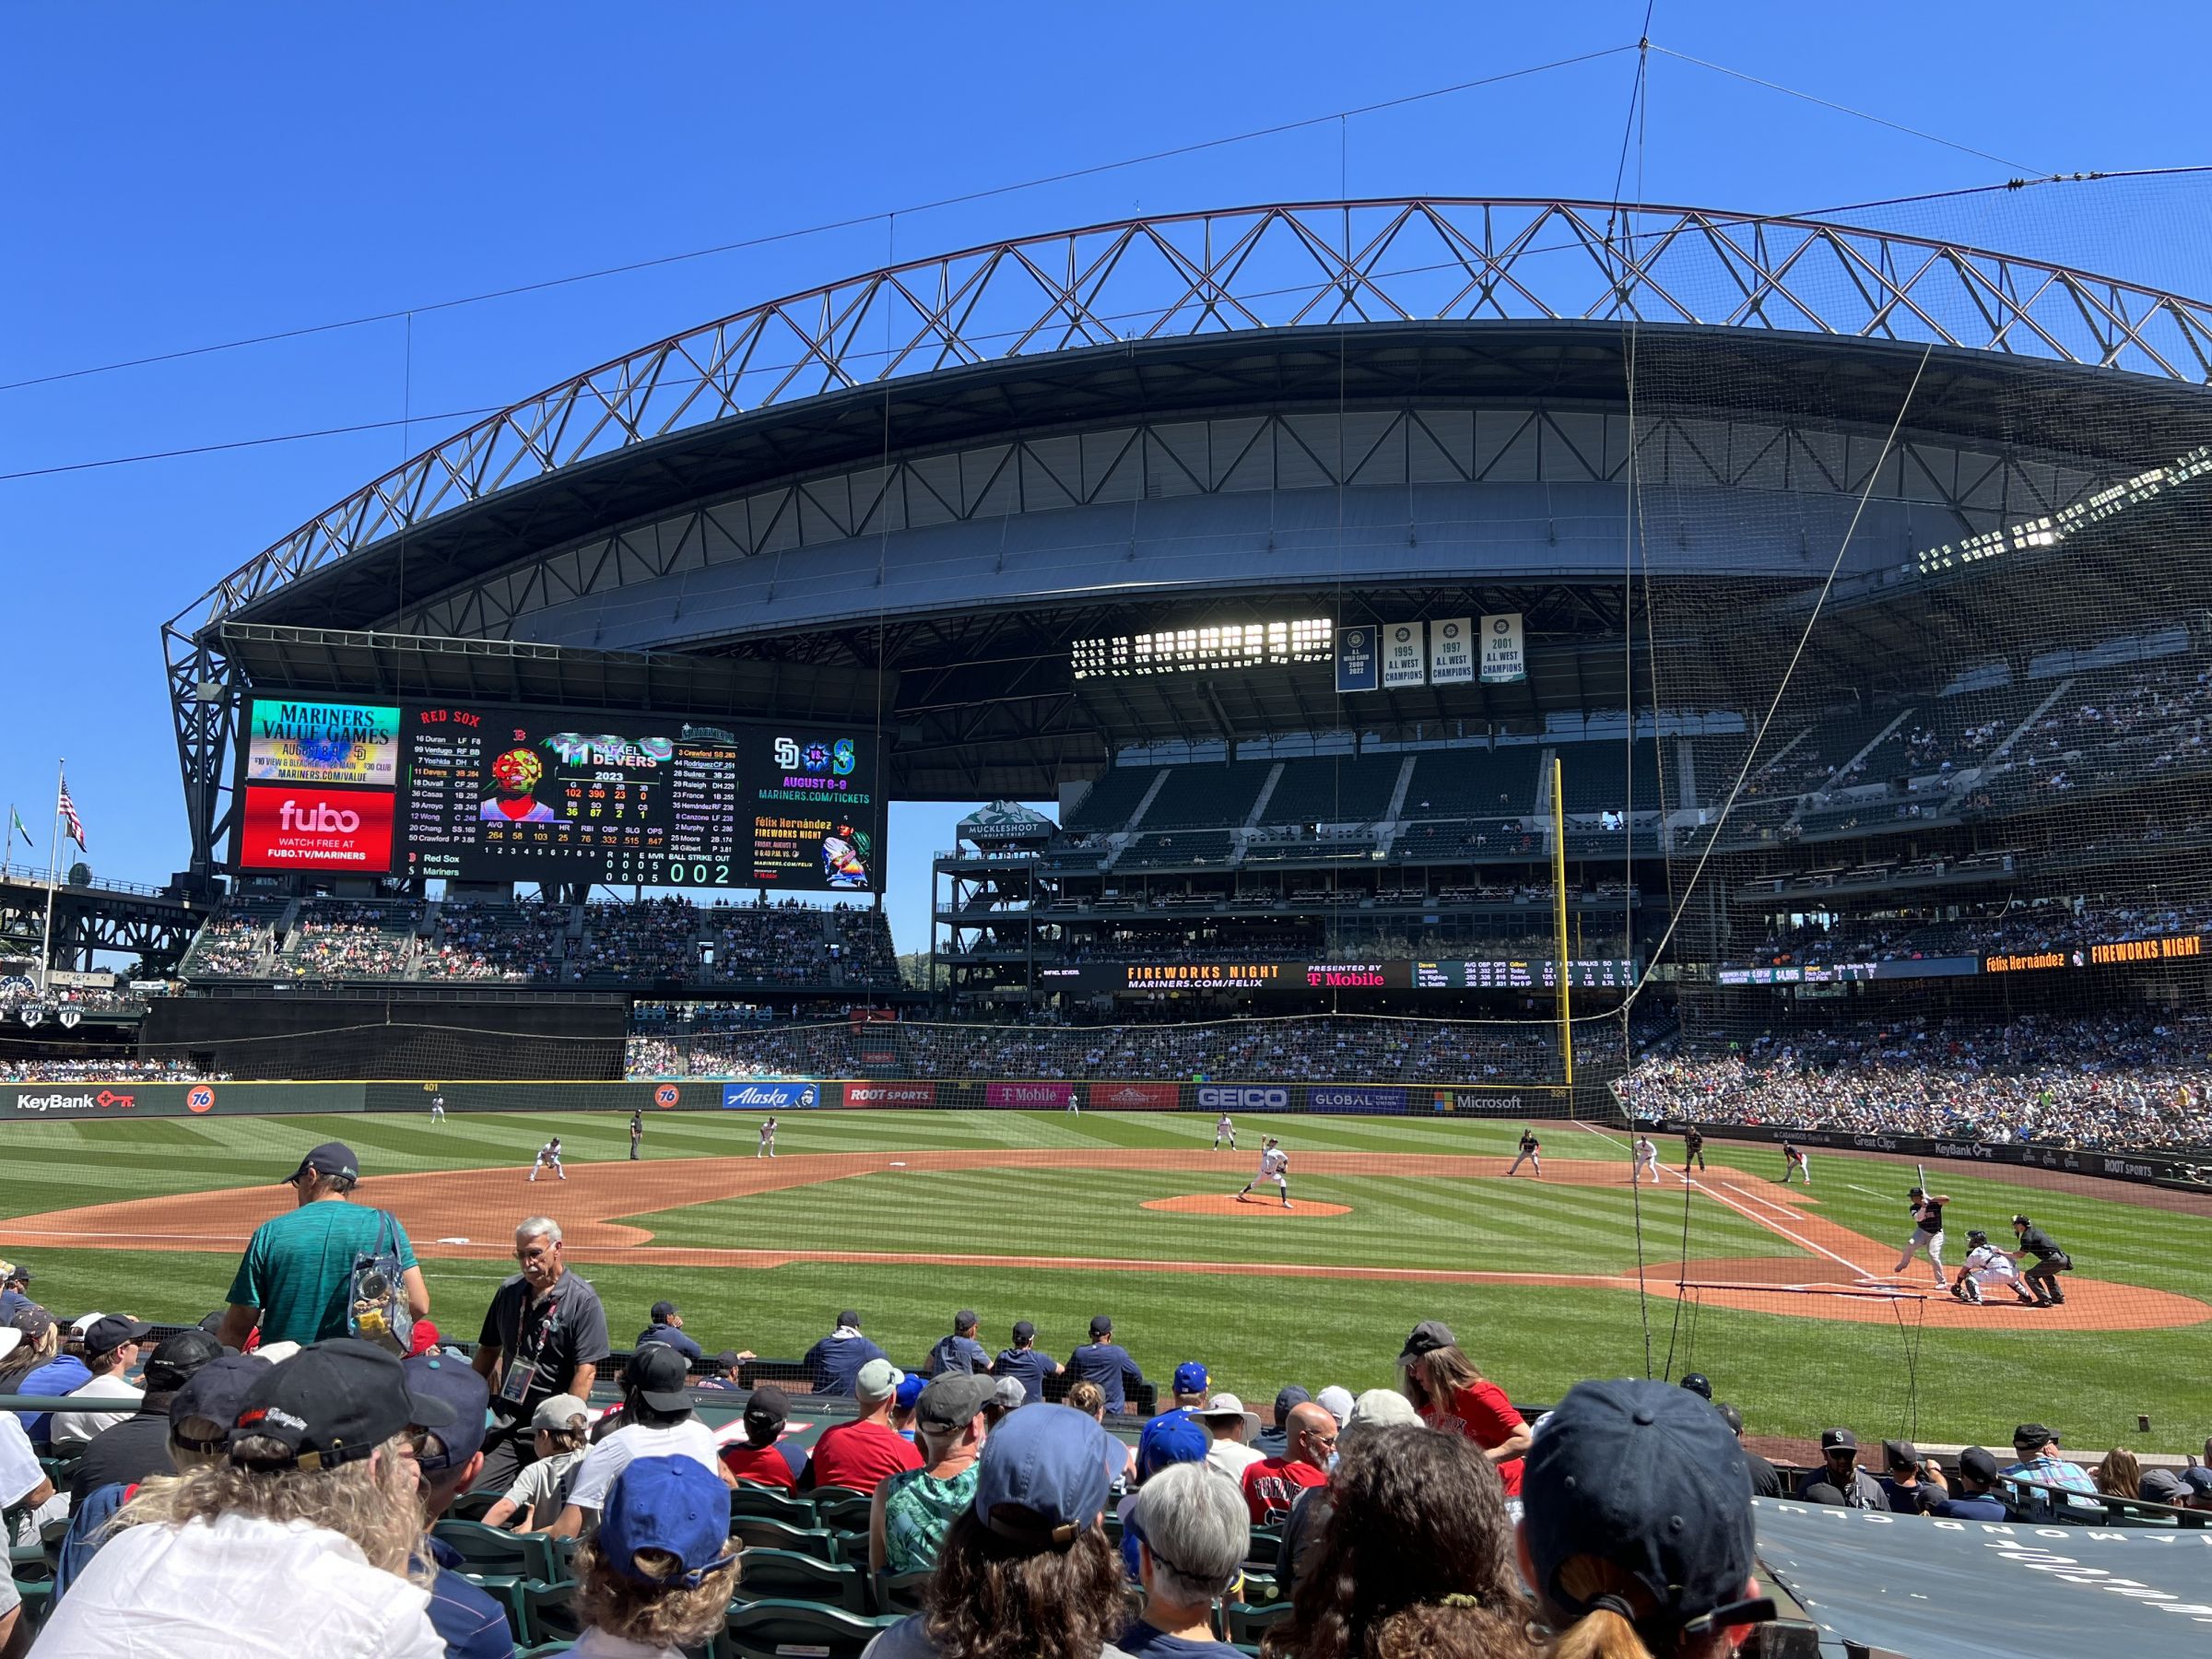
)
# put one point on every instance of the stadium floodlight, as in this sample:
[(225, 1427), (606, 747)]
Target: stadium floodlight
[(1199, 650), (2051, 529)]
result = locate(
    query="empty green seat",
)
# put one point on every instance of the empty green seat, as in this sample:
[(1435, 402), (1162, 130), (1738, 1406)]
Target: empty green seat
[(491, 1549), (768, 1629), (758, 1532)]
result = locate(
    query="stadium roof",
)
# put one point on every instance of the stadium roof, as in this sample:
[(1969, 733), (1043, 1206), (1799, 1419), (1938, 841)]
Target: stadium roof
[(1337, 306)]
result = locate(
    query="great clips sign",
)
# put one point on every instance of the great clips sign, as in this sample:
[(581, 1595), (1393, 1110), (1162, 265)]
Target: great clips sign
[(286, 827)]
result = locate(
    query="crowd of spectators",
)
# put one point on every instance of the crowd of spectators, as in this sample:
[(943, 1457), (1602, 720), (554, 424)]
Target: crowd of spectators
[(515, 944), (337, 939), (2116, 1080), (121, 1069), (2040, 927), (231, 947), (1316, 1049)]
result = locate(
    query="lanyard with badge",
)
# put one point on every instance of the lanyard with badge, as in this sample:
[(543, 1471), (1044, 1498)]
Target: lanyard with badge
[(514, 1386)]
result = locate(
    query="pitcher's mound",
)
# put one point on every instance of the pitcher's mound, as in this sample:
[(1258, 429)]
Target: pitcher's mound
[(1226, 1203)]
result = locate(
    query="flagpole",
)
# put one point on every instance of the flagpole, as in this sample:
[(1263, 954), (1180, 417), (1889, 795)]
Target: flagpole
[(53, 851)]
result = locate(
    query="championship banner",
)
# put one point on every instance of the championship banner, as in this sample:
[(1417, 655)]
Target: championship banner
[(1503, 661), (1452, 651), (1357, 667), (1405, 655)]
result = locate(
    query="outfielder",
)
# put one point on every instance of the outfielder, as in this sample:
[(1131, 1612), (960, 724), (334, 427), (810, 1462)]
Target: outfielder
[(1224, 1130), (1531, 1152), (1693, 1148), (1793, 1163), (767, 1148), (1927, 1232), (437, 1109), (2049, 1261), (1647, 1158), (548, 1157), (1275, 1165), (1986, 1264)]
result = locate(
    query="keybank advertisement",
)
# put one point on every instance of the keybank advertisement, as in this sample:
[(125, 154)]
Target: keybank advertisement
[(769, 1097)]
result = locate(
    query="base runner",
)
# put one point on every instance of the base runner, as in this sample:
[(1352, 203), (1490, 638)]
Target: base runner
[(1793, 1163), (548, 1157), (1531, 1152), (1275, 1165)]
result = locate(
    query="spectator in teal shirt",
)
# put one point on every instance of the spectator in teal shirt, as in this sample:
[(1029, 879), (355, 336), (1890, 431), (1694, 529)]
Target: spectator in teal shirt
[(298, 1269)]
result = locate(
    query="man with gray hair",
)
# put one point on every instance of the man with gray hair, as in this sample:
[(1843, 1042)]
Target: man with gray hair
[(1192, 1534), (544, 1334)]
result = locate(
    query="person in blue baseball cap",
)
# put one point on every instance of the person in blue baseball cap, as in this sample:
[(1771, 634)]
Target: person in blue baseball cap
[(658, 1574), (446, 1460), (1191, 1385), (1027, 1569), (1637, 1526), (1172, 1437)]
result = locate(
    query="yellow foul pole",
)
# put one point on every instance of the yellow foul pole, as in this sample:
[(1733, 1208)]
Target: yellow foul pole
[(1558, 900)]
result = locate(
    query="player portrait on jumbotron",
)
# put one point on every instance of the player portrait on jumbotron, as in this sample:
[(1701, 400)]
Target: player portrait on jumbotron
[(845, 857), (517, 772)]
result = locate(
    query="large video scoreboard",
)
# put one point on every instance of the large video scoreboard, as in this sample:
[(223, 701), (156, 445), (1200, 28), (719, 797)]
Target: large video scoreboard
[(491, 791)]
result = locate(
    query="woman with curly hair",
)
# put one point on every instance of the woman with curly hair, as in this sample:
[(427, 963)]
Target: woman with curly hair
[(1027, 1572), (1450, 1394), (1415, 1560), (1637, 1537), (658, 1574)]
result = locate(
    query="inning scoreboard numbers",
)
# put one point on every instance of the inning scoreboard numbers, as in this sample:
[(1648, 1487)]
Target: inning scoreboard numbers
[(488, 792)]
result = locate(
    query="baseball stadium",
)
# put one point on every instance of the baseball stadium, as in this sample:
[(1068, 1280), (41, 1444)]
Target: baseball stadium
[(1636, 780)]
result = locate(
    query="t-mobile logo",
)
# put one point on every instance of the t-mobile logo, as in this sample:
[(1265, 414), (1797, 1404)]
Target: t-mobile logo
[(321, 816)]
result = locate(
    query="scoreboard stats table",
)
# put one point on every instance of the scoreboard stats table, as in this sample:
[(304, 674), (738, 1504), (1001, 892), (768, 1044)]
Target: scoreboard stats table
[(489, 791)]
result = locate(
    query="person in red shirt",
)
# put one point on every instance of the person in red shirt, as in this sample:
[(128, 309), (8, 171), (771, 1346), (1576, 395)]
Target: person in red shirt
[(1450, 1393), (860, 1455), (1272, 1484), (761, 1458)]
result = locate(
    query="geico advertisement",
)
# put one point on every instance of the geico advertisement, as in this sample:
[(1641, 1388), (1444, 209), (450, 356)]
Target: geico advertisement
[(287, 827)]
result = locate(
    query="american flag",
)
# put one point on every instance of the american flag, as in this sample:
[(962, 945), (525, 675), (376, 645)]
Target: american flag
[(77, 825)]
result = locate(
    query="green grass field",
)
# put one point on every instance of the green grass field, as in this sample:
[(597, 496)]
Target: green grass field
[(1791, 1375)]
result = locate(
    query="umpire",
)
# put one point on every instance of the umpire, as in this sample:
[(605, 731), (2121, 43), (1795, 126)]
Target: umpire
[(2050, 1262)]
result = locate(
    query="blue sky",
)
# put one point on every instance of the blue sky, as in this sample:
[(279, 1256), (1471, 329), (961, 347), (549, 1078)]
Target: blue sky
[(188, 175)]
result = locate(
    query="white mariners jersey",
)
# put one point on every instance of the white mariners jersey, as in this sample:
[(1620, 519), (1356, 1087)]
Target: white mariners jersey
[(1646, 1152), (1989, 1259), (549, 1152), (767, 1131), (1274, 1162), (1222, 1126)]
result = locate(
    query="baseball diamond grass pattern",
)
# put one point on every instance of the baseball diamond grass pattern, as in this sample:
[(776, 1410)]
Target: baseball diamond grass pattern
[(1791, 1376)]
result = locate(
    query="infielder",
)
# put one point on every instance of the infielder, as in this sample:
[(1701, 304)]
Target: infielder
[(437, 1109), (548, 1157), (1275, 1165), (1693, 1148), (2049, 1261), (1986, 1264), (1531, 1152), (767, 1148), (637, 1134), (1224, 1129), (1647, 1158), (1793, 1163), (1927, 1232)]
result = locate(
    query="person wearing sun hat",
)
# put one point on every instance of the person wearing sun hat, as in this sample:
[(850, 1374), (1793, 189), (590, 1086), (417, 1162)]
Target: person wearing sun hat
[(1636, 1521), (1027, 1568), (657, 1576)]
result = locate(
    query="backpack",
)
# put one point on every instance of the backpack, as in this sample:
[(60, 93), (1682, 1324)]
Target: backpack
[(376, 1301)]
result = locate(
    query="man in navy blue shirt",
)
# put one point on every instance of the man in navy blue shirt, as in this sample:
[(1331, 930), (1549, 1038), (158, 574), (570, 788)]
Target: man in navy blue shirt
[(836, 1360), (472, 1625), (1025, 1363), (1107, 1363), (960, 1354), (1975, 1497), (669, 1326)]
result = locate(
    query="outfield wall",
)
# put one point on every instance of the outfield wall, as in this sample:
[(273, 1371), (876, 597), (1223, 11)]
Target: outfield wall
[(82, 1100)]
